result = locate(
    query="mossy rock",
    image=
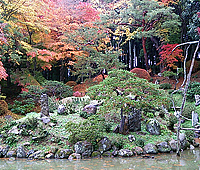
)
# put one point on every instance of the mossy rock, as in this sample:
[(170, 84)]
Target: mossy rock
[(3, 107)]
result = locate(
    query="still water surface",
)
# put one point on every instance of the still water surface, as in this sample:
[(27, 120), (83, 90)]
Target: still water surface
[(189, 160)]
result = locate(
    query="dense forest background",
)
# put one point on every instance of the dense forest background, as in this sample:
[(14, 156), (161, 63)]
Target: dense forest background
[(67, 40)]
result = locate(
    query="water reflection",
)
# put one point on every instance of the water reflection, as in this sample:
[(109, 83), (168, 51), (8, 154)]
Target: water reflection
[(189, 159)]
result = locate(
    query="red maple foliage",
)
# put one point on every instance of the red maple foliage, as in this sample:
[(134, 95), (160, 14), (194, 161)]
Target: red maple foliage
[(198, 28), (169, 58)]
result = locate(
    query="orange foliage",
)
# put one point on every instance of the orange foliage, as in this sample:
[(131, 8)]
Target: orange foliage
[(169, 58), (99, 78), (141, 73)]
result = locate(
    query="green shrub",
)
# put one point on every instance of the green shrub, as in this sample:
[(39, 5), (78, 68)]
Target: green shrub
[(39, 77), (193, 89), (171, 120), (21, 107), (187, 111), (189, 135), (140, 142), (90, 130), (119, 142), (53, 103), (119, 89), (56, 88), (165, 86)]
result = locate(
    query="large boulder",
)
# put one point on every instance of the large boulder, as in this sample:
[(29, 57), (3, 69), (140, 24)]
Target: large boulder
[(83, 148), (134, 120), (183, 141), (63, 153), (74, 156), (61, 109), (173, 144), (150, 148), (197, 100), (44, 105), (90, 109), (37, 155), (11, 154), (104, 145), (163, 147), (4, 150), (21, 153), (137, 150), (153, 127), (125, 153)]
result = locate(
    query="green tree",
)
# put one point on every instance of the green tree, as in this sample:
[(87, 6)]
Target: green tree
[(122, 89), (144, 19)]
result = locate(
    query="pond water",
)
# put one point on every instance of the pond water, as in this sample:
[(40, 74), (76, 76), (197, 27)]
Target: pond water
[(189, 160)]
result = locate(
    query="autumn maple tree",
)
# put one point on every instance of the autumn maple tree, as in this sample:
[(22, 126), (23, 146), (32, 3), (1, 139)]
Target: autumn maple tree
[(169, 58)]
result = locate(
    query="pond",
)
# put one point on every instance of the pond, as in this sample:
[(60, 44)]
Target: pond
[(190, 159)]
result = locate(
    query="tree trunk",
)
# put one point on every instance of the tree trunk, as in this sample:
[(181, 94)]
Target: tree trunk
[(184, 100), (145, 52), (130, 56)]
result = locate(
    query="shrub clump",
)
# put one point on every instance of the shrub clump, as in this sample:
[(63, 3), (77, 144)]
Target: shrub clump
[(3, 107), (165, 86), (91, 130), (193, 89), (56, 88), (141, 73)]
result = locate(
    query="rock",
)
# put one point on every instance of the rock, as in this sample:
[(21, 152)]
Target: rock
[(195, 118), (107, 154), (26, 144), (163, 147), (4, 150), (173, 144), (44, 105), (29, 153), (11, 154), (61, 109), (131, 138), (137, 150), (125, 153), (74, 156), (90, 109), (104, 145), (21, 153), (52, 124), (96, 154), (197, 100), (14, 130), (183, 141), (45, 119), (66, 100), (12, 159), (63, 153), (150, 148), (53, 150), (37, 155), (116, 130), (115, 153), (50, 156), (83, 148), (153, 127), (134, 120), (192, 147)]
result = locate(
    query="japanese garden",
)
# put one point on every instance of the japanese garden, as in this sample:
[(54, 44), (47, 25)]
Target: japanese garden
[(99, 80)]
